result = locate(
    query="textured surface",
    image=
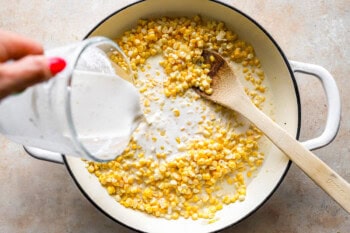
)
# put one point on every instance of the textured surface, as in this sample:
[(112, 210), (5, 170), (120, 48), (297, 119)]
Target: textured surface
[(37, 196)]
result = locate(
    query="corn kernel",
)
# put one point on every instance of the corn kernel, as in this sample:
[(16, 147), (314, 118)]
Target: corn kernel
[(91, 168), (111, 190), (176, 112), (194, 216), (146, 103), (175, 216)]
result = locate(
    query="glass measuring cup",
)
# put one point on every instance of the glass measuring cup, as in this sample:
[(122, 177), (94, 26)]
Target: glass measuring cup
[(73, 113)]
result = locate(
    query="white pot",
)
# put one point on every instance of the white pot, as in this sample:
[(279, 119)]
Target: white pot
[(287, 114)]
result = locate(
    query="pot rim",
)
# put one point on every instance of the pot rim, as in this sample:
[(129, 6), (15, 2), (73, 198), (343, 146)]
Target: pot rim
[(295, 85)]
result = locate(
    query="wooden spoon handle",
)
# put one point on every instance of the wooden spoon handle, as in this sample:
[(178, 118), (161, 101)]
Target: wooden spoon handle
[(316, 169)]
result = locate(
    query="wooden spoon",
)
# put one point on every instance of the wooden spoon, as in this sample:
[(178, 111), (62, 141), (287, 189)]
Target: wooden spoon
[(229, 92)]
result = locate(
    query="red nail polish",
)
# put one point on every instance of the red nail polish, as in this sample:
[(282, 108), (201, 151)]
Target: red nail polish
[(56, 65)]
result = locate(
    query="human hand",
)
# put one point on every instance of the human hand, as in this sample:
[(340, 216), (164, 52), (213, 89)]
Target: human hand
[(27, 64)]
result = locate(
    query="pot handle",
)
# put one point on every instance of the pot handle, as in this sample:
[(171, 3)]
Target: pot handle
[(44, 154), (333, 101)]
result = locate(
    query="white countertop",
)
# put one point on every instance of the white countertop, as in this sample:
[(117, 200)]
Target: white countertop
[(37, 196)]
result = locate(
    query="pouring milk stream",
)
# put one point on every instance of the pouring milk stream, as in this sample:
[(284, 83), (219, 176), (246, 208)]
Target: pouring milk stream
[(116, 105)]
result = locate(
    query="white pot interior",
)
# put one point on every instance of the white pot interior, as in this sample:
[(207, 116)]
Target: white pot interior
[(285, 112)]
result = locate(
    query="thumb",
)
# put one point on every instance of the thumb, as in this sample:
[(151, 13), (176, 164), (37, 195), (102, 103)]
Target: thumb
[(20, 74)]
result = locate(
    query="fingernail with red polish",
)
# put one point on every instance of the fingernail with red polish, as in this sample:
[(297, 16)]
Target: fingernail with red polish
[(56, 65)]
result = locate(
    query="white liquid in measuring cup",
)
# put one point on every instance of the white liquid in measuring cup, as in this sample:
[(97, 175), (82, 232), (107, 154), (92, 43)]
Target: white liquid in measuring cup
[(106, 110)]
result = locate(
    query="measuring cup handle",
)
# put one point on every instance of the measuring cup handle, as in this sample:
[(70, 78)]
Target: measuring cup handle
[(333, 102), (44, 155)]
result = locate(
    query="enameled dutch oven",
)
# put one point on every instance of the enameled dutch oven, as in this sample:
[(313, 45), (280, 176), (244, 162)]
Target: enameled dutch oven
[(283, 87)]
